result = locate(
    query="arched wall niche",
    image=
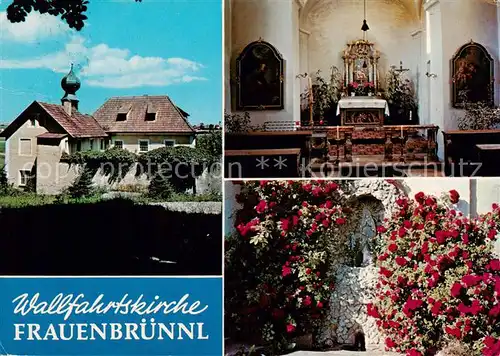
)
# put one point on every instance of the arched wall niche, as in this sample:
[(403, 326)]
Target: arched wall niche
[(331, 24), (368, 213)]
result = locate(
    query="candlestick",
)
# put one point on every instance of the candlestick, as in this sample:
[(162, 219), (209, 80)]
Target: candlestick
[(410, 115), (401, 131), (338, 133)]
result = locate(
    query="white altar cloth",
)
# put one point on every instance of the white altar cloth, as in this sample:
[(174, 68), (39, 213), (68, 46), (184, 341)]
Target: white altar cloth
[(363, 102)]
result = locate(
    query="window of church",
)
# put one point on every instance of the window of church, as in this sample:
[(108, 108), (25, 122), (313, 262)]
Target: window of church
[(24, 176), (25, 147), (143, 145)]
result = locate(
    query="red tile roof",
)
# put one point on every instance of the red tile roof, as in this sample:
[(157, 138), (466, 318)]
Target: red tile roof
[(51, 135), (169, 118), (77, 125)]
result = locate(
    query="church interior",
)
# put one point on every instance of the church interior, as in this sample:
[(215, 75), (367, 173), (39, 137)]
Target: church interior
[(317, 87)]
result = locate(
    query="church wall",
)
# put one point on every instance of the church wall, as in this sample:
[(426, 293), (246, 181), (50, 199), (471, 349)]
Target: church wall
[(463, 21), (277, 23), (334, 23), (18, 160)]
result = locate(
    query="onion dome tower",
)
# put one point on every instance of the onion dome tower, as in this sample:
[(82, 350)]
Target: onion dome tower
[(70, 84)]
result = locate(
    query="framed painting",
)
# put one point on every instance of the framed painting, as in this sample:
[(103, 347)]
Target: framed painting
[(472, 75), (259, 78)]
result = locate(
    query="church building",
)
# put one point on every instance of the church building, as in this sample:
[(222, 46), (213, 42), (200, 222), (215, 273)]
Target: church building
[(38, 139), (405, 84)]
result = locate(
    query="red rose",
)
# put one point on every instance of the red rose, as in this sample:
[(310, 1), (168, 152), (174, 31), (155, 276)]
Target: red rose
[(456, 289), (261, 207), (307, 301), (390, 343), (340, 221), (381, 229), (319, 305), (419, 197), (454, 196), (494, 265), (401, 261), (393, 248), (286, 271), (290, 328)]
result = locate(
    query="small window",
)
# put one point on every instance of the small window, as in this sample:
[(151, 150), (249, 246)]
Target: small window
[(24, 176), (78, 146), (25, 147), (150, 116), (91, 145), (32, 122), (121, 117), (169, 143), (119, 144), (143, 145)]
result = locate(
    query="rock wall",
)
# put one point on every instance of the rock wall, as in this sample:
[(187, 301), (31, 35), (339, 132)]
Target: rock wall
[(61, 175), (355, 288)]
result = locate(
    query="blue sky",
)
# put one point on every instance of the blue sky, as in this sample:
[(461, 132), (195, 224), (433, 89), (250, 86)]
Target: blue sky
[(156, 47)]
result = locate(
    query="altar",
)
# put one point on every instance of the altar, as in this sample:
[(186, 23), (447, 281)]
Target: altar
[(362, 111)]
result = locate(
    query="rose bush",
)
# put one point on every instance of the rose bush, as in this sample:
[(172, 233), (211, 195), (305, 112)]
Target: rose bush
[(278, 265), (439, 280)]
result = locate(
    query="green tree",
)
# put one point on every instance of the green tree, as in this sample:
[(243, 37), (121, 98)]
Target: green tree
[(160, 186), (211, 143), (4, 183), (71, 11), (82, 186)]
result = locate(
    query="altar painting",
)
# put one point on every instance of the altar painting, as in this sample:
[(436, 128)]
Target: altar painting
[(472, 75)]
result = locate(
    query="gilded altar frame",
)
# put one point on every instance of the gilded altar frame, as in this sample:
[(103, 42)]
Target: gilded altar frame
[(361, 60)]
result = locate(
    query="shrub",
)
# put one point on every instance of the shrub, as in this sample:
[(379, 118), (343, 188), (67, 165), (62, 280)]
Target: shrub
[(180, 164), (160, 187), (82, 186), (279, 263), (115, 161), (4, 183), (438, 280)]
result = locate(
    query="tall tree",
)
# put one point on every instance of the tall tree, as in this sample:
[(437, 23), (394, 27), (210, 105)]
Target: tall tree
[(71, 11)]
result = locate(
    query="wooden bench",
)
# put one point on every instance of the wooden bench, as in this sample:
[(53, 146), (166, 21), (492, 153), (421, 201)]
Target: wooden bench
[(262, 163), (488, 158), (462, 152)]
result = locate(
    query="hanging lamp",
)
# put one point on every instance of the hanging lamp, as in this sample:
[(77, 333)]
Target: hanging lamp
[(365, 26)]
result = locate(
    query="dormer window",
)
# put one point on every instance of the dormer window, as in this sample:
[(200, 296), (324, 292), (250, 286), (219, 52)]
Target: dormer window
[(150, 116), (123, 113), (121, 116), (151, 113)]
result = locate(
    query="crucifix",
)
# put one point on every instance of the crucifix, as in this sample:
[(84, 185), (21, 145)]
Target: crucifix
[(401, 69)]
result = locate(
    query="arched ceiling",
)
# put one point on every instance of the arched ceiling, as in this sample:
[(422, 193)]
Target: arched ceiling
[(414, 6)]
